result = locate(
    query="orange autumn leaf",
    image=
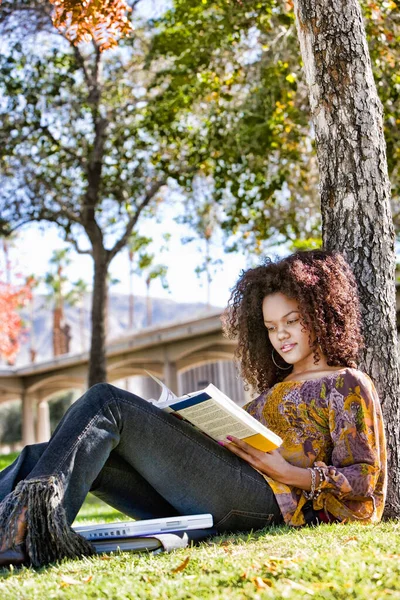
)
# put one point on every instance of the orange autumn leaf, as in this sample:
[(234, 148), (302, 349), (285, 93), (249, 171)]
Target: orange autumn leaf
[(182, 566)]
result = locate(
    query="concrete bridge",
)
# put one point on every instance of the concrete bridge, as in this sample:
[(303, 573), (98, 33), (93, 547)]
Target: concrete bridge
[(168, 352)]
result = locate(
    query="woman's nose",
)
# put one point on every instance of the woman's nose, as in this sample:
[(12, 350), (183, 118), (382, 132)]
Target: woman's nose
[(282, 333)]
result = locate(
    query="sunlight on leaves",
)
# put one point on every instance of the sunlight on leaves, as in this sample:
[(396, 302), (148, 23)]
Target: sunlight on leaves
[(103, 21)]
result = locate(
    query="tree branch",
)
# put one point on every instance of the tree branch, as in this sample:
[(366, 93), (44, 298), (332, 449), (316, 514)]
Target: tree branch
[(97, 52), (82, 64), (47, 131), (74, 243), (134, 219), (62, 210)]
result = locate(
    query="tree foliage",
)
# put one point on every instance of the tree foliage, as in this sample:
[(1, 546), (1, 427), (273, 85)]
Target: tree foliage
[(238, 67), (237, 70)]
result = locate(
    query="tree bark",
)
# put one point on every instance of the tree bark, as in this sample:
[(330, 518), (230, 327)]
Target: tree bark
[(97, 358), (355, 189)]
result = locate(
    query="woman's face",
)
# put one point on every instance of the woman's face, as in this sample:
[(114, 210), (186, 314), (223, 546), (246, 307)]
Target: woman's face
[(286, 332)]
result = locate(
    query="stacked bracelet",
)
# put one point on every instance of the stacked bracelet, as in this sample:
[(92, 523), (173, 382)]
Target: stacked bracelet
[(322, 478), (310, 495), (315, 490)]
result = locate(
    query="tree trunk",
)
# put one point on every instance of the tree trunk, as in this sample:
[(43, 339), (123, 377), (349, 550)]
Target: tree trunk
[(355, 189), (97, 358)]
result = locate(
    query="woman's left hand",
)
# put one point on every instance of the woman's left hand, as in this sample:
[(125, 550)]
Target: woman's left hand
[(270, 463)]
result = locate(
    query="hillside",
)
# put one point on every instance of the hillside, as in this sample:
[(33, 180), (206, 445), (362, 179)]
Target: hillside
[(164, 311)]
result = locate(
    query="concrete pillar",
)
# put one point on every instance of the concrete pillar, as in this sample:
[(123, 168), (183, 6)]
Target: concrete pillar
[(171, 376), (223, 380), (28, 419), (43, 421)]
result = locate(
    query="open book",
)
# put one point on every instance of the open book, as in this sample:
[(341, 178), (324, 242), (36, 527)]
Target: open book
[(217, 415)]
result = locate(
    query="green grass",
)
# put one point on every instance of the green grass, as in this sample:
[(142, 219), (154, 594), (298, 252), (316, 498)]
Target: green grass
[(7, 459), (328, 562)]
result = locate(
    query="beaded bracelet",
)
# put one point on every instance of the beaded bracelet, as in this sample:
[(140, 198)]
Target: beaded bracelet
[(310, 495), (322, 477), (315, 490)]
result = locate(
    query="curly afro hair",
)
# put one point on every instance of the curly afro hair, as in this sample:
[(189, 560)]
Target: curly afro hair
[(326, 291)]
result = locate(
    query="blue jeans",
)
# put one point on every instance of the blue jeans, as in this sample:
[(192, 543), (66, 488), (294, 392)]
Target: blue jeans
[(144, 462)]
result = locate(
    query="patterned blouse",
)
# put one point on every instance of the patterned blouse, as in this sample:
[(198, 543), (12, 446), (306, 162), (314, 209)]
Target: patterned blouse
[(334, 422)]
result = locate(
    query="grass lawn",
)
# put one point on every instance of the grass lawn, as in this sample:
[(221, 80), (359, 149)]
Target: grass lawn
[(327, 562)]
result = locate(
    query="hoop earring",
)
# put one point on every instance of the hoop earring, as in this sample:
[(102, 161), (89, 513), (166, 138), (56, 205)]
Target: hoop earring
[(275, 363)]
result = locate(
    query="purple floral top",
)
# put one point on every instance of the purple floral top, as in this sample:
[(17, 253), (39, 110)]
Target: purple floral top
[(334, 422)]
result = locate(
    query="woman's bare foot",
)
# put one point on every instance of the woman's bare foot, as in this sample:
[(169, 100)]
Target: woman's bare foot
[(21, 531), (21, 527)]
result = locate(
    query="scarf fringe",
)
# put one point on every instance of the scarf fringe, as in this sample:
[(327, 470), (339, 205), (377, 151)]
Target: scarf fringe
[(49, 537)]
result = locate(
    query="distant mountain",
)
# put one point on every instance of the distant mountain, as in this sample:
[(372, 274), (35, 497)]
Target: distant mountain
[(163, 311)]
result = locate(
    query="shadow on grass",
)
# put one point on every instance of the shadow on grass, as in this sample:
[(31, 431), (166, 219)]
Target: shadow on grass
[(252, 535)]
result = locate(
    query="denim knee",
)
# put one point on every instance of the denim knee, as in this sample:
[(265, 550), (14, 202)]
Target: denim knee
[(102, 390), (95, 398)]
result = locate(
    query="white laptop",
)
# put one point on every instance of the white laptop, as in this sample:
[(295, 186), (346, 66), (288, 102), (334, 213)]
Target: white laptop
[(129, 529)]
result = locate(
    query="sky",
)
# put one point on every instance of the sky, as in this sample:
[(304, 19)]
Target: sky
[(34, 246)]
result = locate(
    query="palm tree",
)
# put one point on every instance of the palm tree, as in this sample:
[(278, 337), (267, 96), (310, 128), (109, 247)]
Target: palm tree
[(136, 244), (33, 282), (7, 243), (76, 297), (55, 281), (151, 272)]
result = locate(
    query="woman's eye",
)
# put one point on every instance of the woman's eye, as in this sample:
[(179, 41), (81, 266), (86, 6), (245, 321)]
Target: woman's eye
[(293, 321)]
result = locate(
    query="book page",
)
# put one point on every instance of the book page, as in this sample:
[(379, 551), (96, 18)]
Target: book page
[(166, 397), (214, 420)]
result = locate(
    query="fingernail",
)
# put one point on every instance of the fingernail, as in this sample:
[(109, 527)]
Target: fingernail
[(229, 437), (221, 443)]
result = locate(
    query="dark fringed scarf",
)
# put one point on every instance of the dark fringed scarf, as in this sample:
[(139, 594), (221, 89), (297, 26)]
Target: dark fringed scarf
[(49, 537)]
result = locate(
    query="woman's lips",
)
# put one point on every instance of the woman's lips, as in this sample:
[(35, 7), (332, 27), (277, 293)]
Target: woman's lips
[(287, 348)]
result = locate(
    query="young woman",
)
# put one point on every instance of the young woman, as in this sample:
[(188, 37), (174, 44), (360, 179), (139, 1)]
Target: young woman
[(297, 322)]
